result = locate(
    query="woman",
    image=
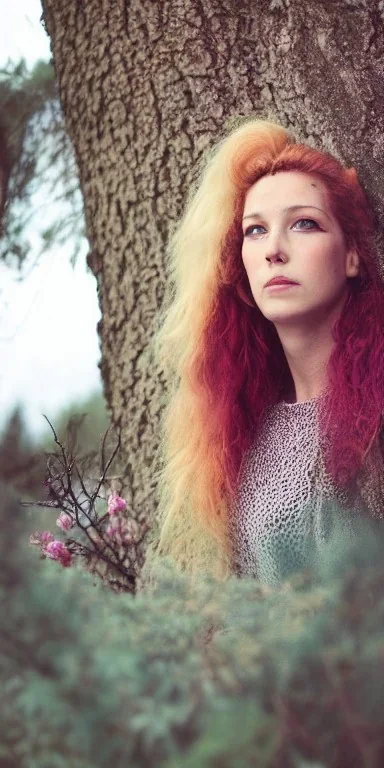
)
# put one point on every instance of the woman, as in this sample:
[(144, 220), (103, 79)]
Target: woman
[(272, 343)]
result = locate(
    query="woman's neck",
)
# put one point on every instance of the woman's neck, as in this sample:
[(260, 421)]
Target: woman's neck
[(307, 353)]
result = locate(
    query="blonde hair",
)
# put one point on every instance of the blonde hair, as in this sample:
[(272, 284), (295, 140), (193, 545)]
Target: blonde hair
[(193, 506)]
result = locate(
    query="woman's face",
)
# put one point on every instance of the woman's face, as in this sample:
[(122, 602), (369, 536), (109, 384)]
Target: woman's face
[(289, 230)]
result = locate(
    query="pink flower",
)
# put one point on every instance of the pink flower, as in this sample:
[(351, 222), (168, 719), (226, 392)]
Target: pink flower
[(116, 504), (65, 522), (56, 550), (45, 537)]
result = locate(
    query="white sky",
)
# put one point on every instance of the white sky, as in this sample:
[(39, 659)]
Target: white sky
[(49, 347)]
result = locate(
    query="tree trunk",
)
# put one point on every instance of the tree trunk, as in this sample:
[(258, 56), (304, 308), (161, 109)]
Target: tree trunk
[(146, 87)]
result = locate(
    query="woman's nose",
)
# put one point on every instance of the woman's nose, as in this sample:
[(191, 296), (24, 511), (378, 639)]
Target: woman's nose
[(275, 250), (276, 256)]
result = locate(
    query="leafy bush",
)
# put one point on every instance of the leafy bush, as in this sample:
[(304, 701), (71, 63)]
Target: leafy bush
[(180, 676)]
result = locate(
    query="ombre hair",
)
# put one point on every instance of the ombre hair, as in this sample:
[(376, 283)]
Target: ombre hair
[(223, 360)]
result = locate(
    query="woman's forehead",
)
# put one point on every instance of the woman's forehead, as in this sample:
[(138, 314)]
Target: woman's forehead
[(276, 192)]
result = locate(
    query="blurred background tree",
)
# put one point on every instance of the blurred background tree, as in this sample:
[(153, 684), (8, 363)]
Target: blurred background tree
[(22, 464), (38, 158), (92, 429), (23, 459)]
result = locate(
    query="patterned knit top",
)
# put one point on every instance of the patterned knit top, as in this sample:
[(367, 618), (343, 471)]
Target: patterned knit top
[(286, 506)]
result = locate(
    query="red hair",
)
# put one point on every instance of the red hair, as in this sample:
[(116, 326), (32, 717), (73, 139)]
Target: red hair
[(241, 367)]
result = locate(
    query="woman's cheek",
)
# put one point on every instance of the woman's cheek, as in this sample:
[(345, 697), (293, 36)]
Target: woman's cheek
[(247, 261)]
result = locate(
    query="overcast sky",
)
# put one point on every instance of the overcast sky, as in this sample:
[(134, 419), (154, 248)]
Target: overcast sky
[(49, 347)]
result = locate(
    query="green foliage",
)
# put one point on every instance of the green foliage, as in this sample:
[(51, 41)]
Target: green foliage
[(290, 677), (42, 164)]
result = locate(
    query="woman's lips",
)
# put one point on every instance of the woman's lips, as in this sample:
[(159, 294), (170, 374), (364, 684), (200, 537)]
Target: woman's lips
[(280, 286)]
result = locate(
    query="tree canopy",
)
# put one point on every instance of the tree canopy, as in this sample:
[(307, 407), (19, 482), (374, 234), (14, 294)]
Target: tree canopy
[(39, 168)]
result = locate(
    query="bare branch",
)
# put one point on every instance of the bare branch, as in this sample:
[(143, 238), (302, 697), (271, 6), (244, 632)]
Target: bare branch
[(110, 539)]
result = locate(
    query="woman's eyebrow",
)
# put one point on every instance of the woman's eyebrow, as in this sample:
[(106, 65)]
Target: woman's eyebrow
[(284, 210)]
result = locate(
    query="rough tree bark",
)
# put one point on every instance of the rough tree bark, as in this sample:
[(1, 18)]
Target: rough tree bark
[(146, 86)]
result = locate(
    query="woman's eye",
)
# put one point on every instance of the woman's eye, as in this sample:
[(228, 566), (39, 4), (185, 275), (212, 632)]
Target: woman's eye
[(307, 221), (249, 230), (252, 229)]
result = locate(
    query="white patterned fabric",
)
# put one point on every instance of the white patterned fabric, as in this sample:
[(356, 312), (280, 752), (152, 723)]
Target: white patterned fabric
[(287, 506)]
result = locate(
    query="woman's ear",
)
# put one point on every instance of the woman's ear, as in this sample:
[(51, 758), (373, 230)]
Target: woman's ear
[(352, 263)]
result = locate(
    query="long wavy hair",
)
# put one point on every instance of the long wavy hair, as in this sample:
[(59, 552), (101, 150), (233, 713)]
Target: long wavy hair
[(223, 360)]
